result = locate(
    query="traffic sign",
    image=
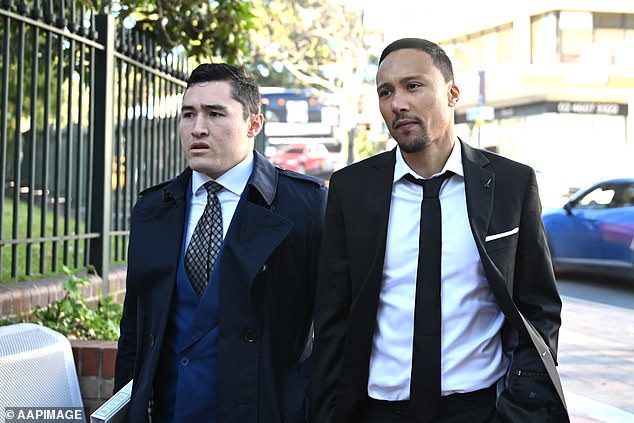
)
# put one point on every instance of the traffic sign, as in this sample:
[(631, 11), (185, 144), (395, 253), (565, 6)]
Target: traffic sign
[(480, 113)]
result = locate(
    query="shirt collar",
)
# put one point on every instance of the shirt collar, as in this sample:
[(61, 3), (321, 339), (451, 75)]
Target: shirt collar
[(234, 180), (454, 163)]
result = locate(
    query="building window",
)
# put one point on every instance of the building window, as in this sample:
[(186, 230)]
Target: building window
[(486, 48), (575, 34), (544, 39), (582, 37), (505, 47)]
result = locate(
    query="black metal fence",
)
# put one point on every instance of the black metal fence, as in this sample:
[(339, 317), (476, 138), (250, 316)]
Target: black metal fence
[(88, 118)]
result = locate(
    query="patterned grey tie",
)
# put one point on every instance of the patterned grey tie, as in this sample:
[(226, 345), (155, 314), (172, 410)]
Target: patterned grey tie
[(206, 240)]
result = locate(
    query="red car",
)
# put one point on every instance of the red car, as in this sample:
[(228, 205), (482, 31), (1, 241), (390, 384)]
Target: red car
[(311, 158)]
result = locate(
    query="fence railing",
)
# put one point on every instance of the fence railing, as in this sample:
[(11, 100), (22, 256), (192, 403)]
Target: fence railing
[(88, 118)]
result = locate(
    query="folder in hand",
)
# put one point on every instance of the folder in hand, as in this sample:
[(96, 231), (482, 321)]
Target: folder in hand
[(115, 410)]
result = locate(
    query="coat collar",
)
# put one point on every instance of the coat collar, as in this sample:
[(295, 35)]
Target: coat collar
[(175, 189), (262, 185), (256, 231)]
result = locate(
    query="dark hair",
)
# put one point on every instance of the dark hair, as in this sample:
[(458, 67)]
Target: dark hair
[(438, 55), (245, 89)]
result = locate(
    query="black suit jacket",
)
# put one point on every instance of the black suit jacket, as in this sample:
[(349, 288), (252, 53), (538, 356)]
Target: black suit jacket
[(501, 195), (267, 287)]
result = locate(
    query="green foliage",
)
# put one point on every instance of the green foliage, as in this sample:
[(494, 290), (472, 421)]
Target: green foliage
[(363, 147), (321, 43), (204, 29), (72, 317), (8, 320)]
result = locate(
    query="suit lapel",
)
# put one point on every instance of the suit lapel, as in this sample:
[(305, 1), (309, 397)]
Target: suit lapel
[(256, 230), (371, 228), (160, 222), (480, 192), (479, 188), (377, 201), (254, 233)]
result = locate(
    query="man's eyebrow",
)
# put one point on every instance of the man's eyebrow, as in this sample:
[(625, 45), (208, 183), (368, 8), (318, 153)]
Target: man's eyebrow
[(213, 107), (216, 107), (404, 80), (382, 85)]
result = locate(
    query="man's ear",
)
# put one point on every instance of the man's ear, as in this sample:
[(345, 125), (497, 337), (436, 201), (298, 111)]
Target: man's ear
[(255, 126), (453, 94)]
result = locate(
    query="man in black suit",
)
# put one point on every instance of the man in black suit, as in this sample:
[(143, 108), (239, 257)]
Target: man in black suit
[(493, 306), (235, 346)]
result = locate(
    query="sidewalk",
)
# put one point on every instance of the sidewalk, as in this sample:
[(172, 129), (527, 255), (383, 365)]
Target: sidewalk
[(596, 361)]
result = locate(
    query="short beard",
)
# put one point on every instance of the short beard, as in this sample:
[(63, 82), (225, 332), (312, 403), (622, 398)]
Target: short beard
[(415, 145)]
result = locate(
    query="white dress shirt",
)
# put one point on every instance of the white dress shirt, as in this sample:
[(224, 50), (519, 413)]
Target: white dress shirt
[(471, 347), (233, 181)]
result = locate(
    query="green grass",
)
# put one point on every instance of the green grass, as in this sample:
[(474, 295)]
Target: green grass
[(37, 249), (51, 267)]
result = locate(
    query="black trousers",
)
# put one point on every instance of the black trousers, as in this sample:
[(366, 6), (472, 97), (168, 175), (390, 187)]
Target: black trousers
[(472, 407)]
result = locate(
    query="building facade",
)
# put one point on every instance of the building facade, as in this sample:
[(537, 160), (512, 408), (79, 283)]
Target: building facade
[(551, 85)]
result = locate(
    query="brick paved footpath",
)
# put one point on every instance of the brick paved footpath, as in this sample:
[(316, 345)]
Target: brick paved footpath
[(596, 361)]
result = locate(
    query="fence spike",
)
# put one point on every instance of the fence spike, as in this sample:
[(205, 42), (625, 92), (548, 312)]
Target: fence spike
[(22, 8), (49, 15), (135, 46), (60, 22), (144, 52), (81, 28), (93, 34), (72, 21), (57, 60), (36, 11)]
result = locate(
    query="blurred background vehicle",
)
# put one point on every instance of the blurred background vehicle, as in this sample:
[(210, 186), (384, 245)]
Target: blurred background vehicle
[(555, 188), (309, 158), (594, 231), (302, 118)]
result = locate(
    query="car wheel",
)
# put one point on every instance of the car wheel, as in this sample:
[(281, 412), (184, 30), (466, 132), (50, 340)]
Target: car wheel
[(301, 168)]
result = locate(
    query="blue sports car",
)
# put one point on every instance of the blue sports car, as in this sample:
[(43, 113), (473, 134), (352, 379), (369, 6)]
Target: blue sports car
[(594, 231)]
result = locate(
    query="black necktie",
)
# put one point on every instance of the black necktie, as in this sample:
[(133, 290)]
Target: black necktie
[(206, 240), (426, 358)]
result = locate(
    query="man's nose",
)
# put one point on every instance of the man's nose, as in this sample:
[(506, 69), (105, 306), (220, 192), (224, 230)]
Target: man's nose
[(399, 103), (199, 129)]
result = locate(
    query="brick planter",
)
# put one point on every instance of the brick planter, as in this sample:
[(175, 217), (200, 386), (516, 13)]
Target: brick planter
[(94, 361), (20, 299)]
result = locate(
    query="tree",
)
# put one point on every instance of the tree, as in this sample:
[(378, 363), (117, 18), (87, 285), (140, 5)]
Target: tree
[(322, 43), (204, 29)]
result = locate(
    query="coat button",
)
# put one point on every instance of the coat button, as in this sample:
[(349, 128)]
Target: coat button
[(263, 269), (151, 340), (184, 361), (250, 335)]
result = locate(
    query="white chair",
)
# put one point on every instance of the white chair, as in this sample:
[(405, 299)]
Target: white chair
[(36, 369)]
